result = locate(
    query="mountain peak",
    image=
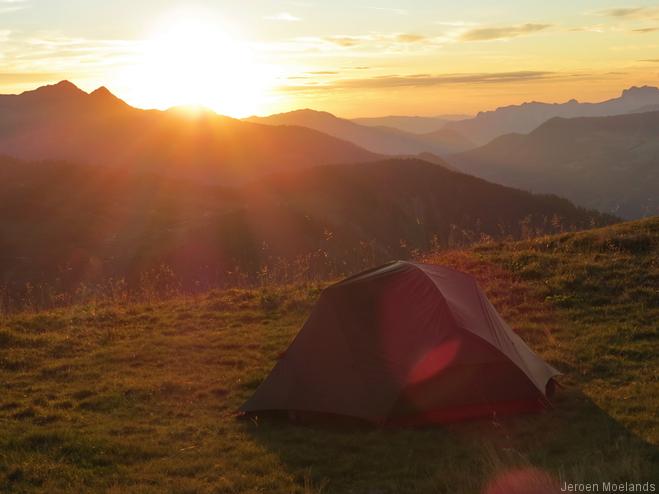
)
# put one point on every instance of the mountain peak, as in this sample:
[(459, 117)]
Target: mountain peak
[(305, 117), (65, 84), (103, 92), (640, 91), (104, 96), (308, 112), (61, 89)]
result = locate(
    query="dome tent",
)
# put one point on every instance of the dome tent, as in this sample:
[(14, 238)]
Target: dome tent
[(405, 343)]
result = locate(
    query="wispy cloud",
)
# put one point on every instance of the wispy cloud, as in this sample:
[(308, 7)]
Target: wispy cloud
[(283, 16), (491, 33), (622, 12), (645, 30), (380, 41), (424, 80), (596, 28), (410, 38), (8, 6), (630, 13), (347, 41), (364, 45), (46, 57)]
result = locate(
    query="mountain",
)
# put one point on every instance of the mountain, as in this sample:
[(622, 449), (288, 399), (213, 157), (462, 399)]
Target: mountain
[(411, 124), (379, 139), (607, 163), (527, 116), (64, 224), (62, 122), (646, 108), (449, 138)]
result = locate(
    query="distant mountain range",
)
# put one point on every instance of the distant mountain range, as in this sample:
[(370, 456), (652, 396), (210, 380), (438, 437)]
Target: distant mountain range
[(411, 124), (524, 118), (63, 224), (603, 163), (63, 122), (607, 163), (378, 139)]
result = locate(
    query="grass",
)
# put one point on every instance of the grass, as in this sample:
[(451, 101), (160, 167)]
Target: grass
[(141, 397)]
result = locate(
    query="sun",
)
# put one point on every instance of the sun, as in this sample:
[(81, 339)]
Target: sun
[(191, 61)]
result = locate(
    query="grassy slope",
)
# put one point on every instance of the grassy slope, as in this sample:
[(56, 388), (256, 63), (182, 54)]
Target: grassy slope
[(141, 398)]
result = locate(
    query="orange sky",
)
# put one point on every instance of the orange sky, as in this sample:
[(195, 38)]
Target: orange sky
[(415, 57)]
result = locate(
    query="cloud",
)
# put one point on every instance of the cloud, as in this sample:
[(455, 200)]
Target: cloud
[(622, 12), (8, 6), (346, 41), (323, 72), (424, 80), (490, 33), (645, 30), (381, 41), (410, 38), (283, 16), (371, 44), (40, 57), (630, 13), (597, 28)]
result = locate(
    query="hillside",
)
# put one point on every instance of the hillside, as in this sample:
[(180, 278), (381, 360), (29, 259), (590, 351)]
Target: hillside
[(140, 396), (66, 225), (524, 118), (606, 163), (62, 122), (378, 139)]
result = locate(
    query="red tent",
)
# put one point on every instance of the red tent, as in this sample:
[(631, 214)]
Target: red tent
[(405, 343)]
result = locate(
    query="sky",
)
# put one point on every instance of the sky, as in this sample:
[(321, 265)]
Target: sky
[(352, 58)]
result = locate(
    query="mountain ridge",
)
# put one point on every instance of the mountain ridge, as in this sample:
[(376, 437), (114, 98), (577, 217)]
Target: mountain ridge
[(606, 163), (377, 139), (61, 121), (413, 124), (524, 117)]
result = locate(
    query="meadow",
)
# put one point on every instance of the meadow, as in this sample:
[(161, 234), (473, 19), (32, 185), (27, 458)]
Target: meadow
[(142, 396)]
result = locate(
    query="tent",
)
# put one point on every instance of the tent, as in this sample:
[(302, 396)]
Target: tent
[(405, 343)]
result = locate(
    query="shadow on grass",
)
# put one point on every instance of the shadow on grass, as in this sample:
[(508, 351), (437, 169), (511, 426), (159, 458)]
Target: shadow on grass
[(575, 442)]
